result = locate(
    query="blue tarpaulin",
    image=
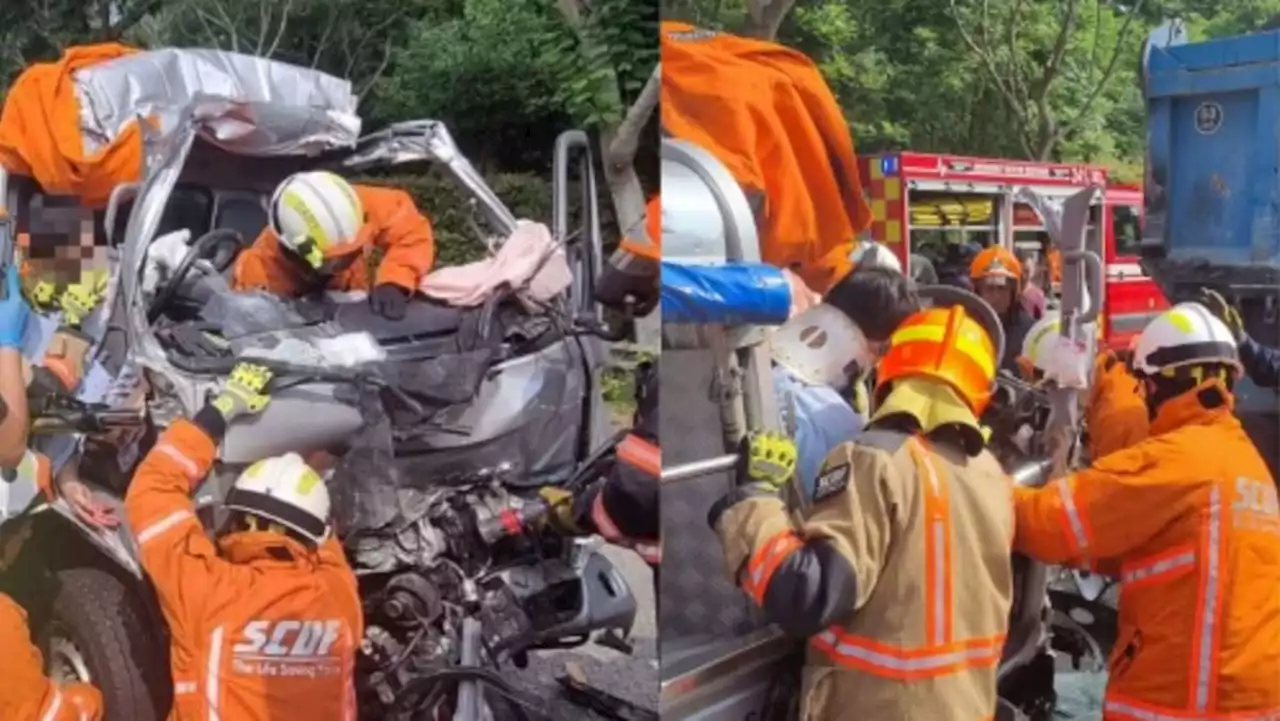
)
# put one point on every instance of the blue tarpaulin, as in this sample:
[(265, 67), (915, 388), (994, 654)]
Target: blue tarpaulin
[(731, 294)]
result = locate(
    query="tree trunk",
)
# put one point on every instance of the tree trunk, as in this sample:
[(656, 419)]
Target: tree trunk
[(764, 17)]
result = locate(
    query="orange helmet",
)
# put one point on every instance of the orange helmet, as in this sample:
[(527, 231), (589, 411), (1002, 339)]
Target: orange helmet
[(995, 262), (946, 345)]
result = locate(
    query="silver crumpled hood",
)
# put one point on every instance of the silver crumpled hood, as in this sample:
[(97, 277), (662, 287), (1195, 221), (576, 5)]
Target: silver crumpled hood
[(244, 104)]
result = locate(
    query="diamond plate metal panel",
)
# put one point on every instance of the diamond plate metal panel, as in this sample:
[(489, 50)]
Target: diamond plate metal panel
[(696, 599)]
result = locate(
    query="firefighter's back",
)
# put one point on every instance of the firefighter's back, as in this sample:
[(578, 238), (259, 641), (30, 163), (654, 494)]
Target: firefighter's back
[(927, 639)]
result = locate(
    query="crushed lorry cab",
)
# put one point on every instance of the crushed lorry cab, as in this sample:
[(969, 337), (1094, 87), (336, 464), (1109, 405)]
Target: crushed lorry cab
[(1212, 190), (921, 203)]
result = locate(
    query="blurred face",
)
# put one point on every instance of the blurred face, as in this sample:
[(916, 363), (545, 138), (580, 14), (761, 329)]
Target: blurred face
[(59, 248), (998, 292)]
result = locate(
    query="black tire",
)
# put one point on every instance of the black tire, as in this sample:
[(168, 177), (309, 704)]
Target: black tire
[(127, 655)]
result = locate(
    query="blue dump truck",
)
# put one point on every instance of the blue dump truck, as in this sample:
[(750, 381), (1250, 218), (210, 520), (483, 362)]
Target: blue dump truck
[(1212, 188)]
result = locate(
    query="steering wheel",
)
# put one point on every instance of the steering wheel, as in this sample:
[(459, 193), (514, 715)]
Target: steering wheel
[(199, 249)]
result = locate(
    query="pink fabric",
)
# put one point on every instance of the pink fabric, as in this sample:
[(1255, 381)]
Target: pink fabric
[(530, 261), (1034, 300)]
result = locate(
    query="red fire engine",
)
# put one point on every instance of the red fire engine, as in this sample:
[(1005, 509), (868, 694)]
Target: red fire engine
[(925, 206)]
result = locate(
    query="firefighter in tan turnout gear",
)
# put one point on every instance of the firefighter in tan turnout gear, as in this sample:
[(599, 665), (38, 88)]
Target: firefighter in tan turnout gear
[(900, 572)]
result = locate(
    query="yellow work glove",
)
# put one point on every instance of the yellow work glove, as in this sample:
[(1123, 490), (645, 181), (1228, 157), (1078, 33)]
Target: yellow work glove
[(767, 459), (80, 299), (560, 510), (1226, 312), (244, 392)]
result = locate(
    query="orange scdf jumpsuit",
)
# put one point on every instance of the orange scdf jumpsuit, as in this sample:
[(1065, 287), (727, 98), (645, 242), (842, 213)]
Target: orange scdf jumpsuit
[(40, 131), (264, 630), (765, 111), (25, 693), (1188, 517), (1116, 414), (393, 224)]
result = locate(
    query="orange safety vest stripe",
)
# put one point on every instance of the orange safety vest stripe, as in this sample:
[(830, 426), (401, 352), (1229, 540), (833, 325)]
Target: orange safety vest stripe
[(908, 664), (1120, 707), (1158, 567), (939, 621), (637, 452), (1207, 639), (765, 562), (940, 654)]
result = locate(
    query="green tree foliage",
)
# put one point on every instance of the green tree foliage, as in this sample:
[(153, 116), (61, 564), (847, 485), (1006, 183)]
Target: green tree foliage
[(1044, 79)]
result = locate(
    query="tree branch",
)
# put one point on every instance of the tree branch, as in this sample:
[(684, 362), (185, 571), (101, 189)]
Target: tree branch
[(1060, 45), (626, 141), (264, 26), (382, 66), (1018, 86), (137, 13), (323, 43), (1106, 74), (989, 62), (284, 23), (767, 16), (208, 22)]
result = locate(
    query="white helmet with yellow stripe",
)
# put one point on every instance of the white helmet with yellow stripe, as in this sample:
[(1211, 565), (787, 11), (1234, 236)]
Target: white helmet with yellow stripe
[(284, 490), (317, 215), (1187, 334), (1039, 342)]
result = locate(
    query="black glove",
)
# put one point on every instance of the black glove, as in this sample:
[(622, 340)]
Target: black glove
[(634, 290), (389, 301), (1225, 311)]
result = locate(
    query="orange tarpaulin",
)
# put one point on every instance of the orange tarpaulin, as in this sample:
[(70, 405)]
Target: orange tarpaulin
[(40, 131), (765, 111)]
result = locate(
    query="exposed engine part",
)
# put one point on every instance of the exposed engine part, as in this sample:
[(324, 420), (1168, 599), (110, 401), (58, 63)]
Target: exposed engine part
[(504, 624), (508, 522), (410, 599), (474, 556)]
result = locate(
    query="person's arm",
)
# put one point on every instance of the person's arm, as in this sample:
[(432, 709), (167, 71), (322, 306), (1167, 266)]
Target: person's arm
[(403, 233), (182, 562), (25, 692), (257, 266), (1261, 363), (1106, 511), (805, 577), (14, 421), (1116, 415)]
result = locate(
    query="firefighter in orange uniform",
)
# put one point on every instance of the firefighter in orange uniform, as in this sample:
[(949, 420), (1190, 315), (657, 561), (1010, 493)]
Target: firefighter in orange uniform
[(274, 584), (996, 274), (321, 232), (1189, 518), (900, 571)]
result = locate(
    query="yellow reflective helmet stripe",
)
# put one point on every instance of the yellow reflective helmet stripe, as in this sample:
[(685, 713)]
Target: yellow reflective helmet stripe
[(315, 232), (965, 342), (308, 481), (1179, 320)]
